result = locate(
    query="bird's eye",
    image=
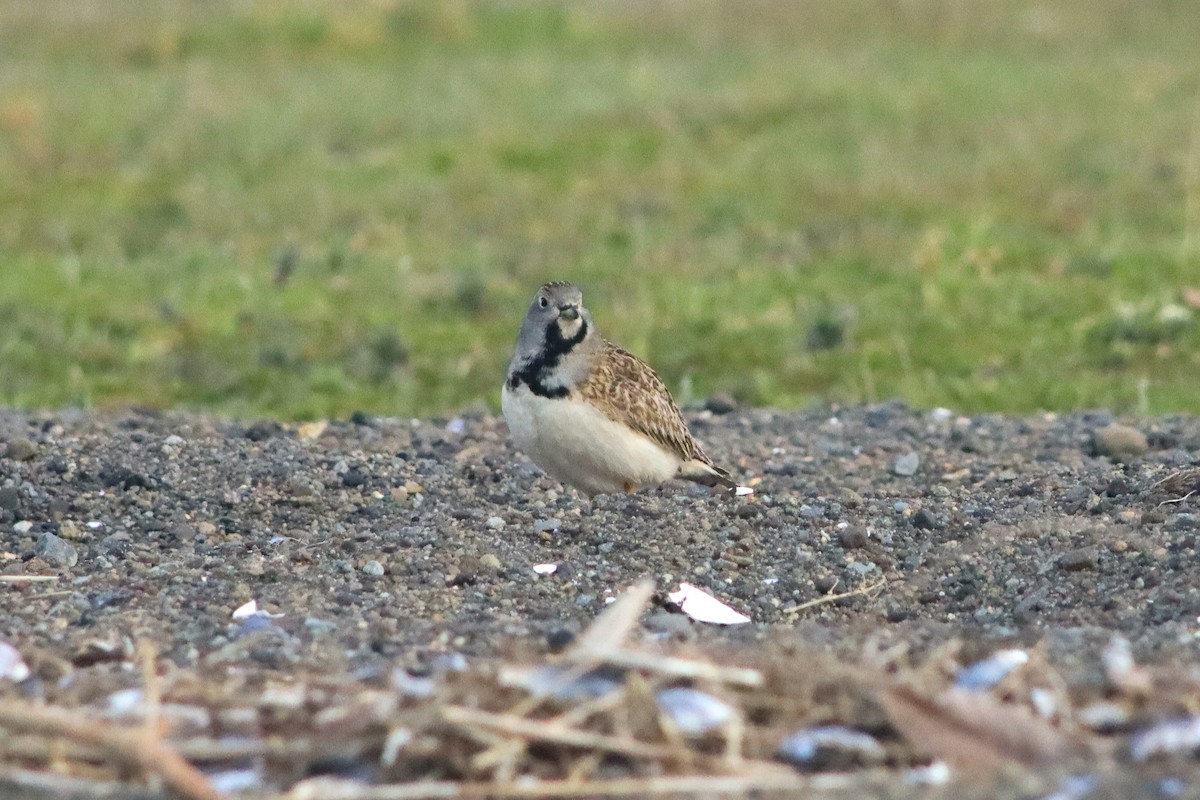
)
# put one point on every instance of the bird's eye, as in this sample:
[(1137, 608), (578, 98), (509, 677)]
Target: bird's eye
[(543, 302)]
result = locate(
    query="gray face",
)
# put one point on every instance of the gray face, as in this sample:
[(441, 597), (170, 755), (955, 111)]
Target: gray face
[(556, 304)]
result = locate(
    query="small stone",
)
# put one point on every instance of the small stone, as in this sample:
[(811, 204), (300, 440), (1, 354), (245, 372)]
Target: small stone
[(1076, 560), (9, 498), (467, 571), (1185, 522), (490, 562), (721, 403), (853, 537), (1079, 497), (412, 487), (825, 584), (55, 551), (183, 532), (24, 526), (907, 464), (559, 639), (298, 488), (1119, 441), (21, 449), (206, 528), (373, 568), (495, 523), (669, 623), (925, 519), (70, 530), (354, 477), (1118, 486), (547, 525)]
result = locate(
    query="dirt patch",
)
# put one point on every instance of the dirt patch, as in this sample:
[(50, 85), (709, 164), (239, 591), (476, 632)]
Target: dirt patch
[(400, 557)]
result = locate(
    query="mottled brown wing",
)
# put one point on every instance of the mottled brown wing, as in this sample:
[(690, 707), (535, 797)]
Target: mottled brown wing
[(629, 392)]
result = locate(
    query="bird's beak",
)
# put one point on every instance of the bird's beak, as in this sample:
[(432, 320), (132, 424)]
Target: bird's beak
[(568, 312)]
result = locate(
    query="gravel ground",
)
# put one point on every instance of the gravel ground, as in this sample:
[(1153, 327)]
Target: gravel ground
[(395, 541)]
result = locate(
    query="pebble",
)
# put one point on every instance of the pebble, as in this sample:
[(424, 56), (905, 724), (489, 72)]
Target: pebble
[(925, 519), (825, 584), (1076, 560), (55, 551), (907, 464), (183, 532), (373, 568), (853, 536), (1119, 441), (1185, 522), (490, 562), (21, 449), (495, 523), (669, 623), (24, 526), (547, 525), (9, 498), (691, 711), (831, 747), (353, 478), (721, 403)]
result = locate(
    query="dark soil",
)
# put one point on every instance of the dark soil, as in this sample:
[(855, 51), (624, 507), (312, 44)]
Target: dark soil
[(389, 542)]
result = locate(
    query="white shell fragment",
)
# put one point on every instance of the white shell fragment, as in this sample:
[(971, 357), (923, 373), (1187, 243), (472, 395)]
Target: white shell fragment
[(406, 683), (235, 780), (691, 711), (12, 666), (125, 703), (983, 675), (545, 569), (1073, 787), (935, 774), (703, 607), (743, 491), (246, 610), (803, 746), (251, 609), (1121, 670), (1165, 738), (397, 740)]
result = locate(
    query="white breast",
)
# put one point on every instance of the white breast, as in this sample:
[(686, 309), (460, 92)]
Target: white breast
[(577, 444)]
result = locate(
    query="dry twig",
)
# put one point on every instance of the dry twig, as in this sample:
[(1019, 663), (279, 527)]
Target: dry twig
[(132, 748), (833, 598)]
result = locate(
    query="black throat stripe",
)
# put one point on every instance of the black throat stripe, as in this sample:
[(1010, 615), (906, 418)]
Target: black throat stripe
[(535, 373)]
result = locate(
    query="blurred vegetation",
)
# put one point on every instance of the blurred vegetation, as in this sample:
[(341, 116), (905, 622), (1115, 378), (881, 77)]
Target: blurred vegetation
[(307, 208)]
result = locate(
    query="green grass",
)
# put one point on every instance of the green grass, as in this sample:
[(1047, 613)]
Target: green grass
[(310, 208)]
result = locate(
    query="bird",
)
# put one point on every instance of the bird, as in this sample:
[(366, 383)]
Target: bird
[(590, 414)]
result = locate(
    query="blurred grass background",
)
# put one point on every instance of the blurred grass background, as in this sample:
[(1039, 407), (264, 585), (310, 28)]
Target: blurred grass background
[(307, 208)]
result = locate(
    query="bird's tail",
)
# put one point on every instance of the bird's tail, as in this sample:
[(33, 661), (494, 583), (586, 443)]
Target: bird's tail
[(705, 473)]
